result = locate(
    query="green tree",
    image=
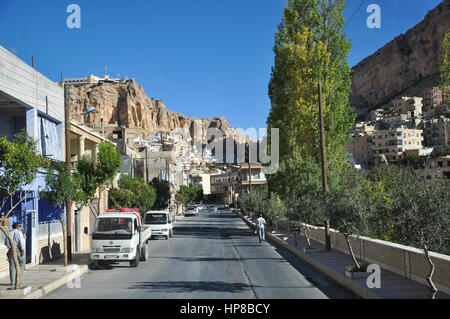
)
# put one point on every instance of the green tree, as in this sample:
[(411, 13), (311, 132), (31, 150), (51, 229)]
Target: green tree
[(95, 177), (349, 208), (445, 68), (109, 163), (310, 47), (133, 192), (423, 219), (86, 174), (162, 193), (199, 196), (306, 209), (185, 195), (60, 188), (253, 203), (19, 163)]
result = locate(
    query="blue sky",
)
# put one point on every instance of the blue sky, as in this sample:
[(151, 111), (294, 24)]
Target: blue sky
[(203, 58)]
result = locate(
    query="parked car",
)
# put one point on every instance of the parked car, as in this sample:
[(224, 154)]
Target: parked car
[(212, 209), (160, 222), (191, 211)]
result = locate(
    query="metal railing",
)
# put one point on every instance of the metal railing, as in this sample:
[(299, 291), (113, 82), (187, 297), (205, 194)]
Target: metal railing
[(46, 228)]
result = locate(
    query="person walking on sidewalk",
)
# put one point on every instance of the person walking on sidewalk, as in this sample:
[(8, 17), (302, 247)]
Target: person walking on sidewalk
[(19, 241), (261, 222)]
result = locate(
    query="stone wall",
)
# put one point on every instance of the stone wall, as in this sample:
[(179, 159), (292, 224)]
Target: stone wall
[(403, 260), (50, 247)]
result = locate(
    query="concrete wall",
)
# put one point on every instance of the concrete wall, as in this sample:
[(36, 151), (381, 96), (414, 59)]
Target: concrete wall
[(50, 246), (23, 83), (405, 261), (4, 266)]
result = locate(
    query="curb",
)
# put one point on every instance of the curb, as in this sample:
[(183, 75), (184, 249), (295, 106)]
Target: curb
[(58, 283), (341, 279)]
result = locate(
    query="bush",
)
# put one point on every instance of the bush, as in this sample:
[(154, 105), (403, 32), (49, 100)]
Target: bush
[(133, 193)]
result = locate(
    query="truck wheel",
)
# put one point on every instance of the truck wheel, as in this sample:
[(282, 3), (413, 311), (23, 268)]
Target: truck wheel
[(134, 263), (144, 255)]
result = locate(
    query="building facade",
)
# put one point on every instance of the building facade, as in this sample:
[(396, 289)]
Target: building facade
[(29, 101), (394, 142)]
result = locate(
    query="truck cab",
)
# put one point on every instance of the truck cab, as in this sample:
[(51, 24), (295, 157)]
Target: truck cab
[(160, 222), (119, 236)]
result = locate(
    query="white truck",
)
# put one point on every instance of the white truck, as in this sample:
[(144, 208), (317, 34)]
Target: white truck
[(160, 222), (120, 236)]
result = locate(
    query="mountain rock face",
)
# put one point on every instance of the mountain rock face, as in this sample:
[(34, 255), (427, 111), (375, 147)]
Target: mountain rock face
[(126, 104), (403, 67)]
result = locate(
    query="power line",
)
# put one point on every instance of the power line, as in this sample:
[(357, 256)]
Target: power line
[(354, 13)]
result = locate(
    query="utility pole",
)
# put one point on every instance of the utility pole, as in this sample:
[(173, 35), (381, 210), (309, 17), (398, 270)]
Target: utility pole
[(324, 167), (446, 132), (69, 167), (146, 165), (249, 170)]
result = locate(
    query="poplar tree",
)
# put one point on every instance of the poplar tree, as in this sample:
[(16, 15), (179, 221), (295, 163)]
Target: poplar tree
[(310, 47), (445, 68)]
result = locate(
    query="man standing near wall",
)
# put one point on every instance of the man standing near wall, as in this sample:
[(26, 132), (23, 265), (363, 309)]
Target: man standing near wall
[(19, 242)]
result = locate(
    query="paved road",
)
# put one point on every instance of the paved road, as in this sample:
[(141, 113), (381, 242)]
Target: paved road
[(210, 256)]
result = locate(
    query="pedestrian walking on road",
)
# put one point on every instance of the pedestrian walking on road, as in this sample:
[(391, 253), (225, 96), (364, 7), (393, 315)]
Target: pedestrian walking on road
[(261, 222), (19, 242)]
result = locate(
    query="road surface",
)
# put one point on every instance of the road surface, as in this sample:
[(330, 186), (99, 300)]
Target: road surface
[(211, 256)]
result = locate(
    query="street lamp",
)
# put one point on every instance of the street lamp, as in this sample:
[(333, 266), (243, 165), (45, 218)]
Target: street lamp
[(89, 110)]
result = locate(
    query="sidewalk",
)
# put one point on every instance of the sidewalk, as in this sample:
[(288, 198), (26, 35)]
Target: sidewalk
[(49, 276), (333, 265)]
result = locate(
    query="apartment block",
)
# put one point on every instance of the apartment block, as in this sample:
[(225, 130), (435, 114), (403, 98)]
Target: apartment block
[(437, 132), (439, 168), (360, 146), (393, 143), (432, 97), (411, 106)]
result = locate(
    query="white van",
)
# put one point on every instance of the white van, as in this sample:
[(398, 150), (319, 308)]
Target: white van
[(160, 222)]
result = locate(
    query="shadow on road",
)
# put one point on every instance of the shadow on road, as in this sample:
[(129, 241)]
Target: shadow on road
[(190, 286), (210, 232), (212, 259)]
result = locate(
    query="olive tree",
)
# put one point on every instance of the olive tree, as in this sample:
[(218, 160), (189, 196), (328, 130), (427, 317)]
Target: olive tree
[(306, 202), (19, 165), (424, 220), (349, 208), (308, 210)]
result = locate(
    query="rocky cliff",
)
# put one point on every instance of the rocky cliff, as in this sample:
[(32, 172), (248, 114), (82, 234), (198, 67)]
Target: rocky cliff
[(405, 66), (128, 105)]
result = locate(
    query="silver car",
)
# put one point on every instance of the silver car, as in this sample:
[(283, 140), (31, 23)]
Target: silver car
[(212, 209), (191, 211)]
